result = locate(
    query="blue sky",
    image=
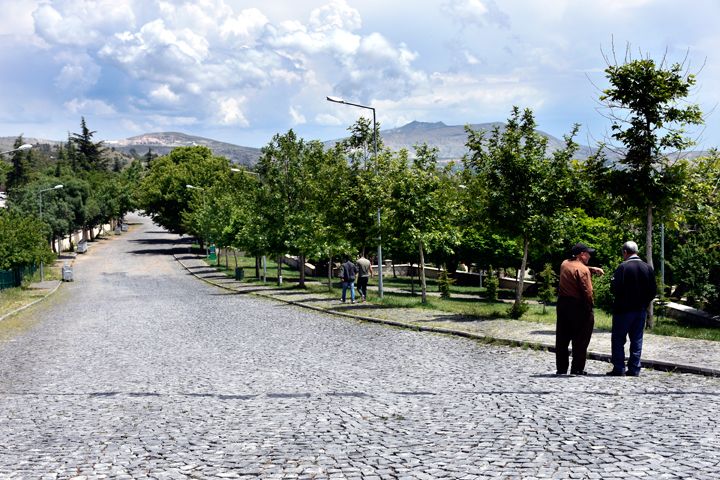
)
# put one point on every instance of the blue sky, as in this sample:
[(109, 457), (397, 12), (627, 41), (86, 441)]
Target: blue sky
[(241, 71)]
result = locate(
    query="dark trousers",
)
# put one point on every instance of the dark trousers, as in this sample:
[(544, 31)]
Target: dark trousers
[(575, 322), (627, 325), (362, 286)]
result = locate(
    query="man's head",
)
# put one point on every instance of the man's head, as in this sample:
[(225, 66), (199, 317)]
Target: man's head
[(582, 252), (629, 248)]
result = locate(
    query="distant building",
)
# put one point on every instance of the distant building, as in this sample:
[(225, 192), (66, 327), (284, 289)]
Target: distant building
[(3, 199)]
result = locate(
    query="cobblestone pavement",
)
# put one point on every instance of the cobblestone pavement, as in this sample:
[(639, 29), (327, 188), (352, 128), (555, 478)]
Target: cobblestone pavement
[(659, 352), (137, 370)]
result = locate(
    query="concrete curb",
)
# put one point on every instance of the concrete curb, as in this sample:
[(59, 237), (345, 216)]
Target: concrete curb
[(20, 309), (649, 363)]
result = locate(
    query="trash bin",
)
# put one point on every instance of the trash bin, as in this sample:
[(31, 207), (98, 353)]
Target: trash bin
[(124, 227), (67, 273), (117, 230), (239, 273), (82, 246)]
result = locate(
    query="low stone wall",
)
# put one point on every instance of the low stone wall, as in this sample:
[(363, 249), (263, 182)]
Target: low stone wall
[(70, 242), (691, 315)]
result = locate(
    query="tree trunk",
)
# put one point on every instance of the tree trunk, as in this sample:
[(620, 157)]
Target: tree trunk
[(521, 277), (412, 281), (301, 264), (279, 269), (257, 267), (330, 269), (235, 256), (650, 319), (423, 286)]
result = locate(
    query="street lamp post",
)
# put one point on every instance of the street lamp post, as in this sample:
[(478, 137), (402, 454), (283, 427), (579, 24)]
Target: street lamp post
[(25, 146), (380, 274), (56, 187)]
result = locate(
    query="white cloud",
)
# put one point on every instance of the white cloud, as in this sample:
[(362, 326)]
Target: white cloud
[(81, 22), (85, 106), (78, 73), (244, 27), (336, 15), (164, 94), (296, 117), (229, 112)]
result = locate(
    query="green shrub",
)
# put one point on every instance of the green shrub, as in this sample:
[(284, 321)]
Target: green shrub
[(492, 284), (444, 283), (547, 291), (518, 310)]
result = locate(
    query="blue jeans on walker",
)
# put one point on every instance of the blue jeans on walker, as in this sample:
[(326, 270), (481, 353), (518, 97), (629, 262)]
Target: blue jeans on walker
[(351, 286), (627, 324)]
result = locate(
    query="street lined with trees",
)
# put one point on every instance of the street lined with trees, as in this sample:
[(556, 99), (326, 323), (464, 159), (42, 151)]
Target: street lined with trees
[(510, 205)]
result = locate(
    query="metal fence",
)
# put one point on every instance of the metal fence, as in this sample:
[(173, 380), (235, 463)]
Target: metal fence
[(13, 278)]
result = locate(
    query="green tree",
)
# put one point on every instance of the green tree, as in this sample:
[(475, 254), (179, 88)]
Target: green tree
[(89, 154), (23, 240), (547, 292), (649, 111), (164, 194), (524, 191), (423, 207), (19, 173)]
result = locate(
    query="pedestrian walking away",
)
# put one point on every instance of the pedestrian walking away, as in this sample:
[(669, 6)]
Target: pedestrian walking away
[(365, 271), (348, 272), (633, 287), (575, 317)]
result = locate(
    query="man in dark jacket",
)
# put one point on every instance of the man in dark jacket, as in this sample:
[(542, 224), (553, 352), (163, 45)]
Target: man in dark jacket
[(348, 272), (633, 285)]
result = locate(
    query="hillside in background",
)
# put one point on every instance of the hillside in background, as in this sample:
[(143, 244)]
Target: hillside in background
[(162, 142), (449, 139)]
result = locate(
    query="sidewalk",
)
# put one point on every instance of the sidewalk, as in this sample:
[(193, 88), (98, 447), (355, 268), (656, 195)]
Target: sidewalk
[(659, 352)]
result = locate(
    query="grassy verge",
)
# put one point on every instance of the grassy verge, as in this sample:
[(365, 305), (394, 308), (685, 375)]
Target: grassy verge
[(13, 298), (475, 308)]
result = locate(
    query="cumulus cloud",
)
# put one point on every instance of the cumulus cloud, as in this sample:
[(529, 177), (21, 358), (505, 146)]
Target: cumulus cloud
[(81, 22), (296, 116), (476, 12), (229, 112), (78, 73), (86, 106)]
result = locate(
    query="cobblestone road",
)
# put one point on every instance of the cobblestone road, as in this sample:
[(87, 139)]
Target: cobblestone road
[(138, 370)]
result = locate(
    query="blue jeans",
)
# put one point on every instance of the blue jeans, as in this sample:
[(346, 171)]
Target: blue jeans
[(624, 325), (351, 286)]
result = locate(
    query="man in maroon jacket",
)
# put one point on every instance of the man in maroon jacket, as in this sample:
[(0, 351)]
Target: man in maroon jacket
[(575, 317)]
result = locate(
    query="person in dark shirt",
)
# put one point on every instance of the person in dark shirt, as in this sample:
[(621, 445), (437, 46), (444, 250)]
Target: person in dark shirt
[(633, 285), (348, 272)]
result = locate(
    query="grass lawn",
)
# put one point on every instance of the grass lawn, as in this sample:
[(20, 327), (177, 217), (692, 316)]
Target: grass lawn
[(14, 298), (473, 307)]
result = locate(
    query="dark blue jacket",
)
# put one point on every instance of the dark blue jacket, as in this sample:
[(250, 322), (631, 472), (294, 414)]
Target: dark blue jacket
[(633, 285)]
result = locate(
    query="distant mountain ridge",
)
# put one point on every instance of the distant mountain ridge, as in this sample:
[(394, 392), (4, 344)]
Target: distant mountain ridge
[(162, 143), (448, 139)]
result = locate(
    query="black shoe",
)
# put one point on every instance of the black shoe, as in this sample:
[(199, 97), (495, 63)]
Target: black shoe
[(557, 374), (615, 373), (632, 374), (578, 372)]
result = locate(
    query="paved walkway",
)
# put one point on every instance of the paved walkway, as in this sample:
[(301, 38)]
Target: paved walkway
[(659, 352)]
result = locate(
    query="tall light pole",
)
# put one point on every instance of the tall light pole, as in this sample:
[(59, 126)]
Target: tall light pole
[(380, 274), (25, 146), (56, 187), (202, 190)]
